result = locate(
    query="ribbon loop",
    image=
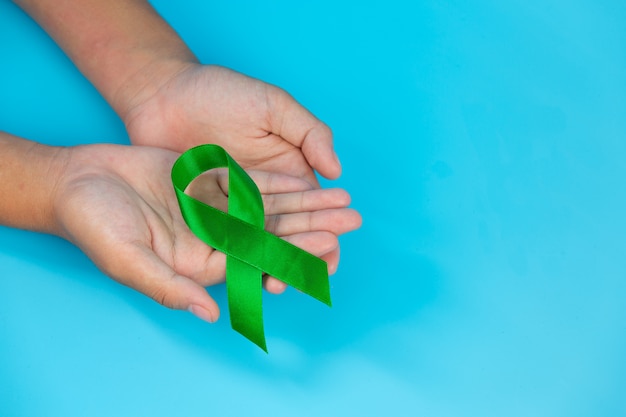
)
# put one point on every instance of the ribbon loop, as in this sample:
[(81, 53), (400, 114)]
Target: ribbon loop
[(241, 235)]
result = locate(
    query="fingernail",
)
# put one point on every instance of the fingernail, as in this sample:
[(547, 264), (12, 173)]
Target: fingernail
[(201, 313), (337, 159)]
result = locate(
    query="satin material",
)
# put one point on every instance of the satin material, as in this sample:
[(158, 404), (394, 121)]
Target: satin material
[(241, 236)]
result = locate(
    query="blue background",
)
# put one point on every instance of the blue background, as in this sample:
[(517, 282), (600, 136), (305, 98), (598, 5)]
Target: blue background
[(485, 145)]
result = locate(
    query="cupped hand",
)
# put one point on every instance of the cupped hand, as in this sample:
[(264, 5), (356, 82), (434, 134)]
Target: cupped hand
[(118, 205), (259, 124)]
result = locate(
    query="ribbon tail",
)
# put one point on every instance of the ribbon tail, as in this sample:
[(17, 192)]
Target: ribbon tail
[(240, 234), (244, 287)]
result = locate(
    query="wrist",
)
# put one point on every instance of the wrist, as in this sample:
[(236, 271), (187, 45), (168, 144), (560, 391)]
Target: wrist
[(123, 47), (145, 82), (30, 176)]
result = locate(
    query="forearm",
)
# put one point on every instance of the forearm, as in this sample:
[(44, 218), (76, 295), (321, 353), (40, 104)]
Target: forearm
[(122, 46), (29, 174)]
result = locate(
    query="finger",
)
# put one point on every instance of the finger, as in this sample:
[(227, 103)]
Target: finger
[(308, 200), (317, 147), (140, 268), (298, 126), (337, 221), (267, 182), (275, 183), (212, 187), (332, 260), (273, 285), (288, 160), (209, 271)]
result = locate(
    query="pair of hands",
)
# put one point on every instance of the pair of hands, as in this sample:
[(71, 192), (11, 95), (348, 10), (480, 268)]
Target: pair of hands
[(117, 203)]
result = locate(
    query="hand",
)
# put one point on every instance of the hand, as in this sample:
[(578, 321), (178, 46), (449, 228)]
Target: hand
[(166, 99), (260, 125), (118, 205)]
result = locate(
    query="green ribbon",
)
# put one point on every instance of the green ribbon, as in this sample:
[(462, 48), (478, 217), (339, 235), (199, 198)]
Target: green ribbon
[(241, 235)]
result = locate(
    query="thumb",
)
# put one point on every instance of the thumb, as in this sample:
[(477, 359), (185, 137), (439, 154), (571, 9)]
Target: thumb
[(301, 128), (141, 269)]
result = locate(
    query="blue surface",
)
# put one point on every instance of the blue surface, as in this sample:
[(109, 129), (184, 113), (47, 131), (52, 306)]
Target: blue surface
[(484, 144)]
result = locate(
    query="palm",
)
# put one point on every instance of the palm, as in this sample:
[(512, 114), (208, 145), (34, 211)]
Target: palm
[(117, 204), (261, 126), (115, 214)]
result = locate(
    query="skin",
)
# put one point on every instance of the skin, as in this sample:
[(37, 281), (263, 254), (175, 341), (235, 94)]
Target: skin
[(118, 205), (168, 100)]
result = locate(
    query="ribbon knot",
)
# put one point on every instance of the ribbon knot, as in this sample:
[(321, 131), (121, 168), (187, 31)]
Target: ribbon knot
[(241, 235)]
